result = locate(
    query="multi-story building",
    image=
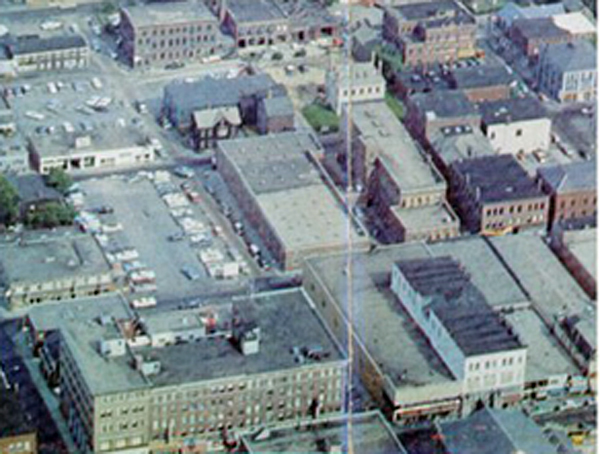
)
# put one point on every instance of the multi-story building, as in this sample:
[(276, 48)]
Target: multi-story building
[(275, 115), (472, 340), (279, 188), (357, 82), (16, 434), (402, 189), (267, 22), (264, 360), (161, 34), (494, 195), (213, 124), (429, 112), (516, 125), (512, 11), (572, 191), (39, 269), (489, 82), (432, 32), (33, 53), (567, 71), (404, 372)]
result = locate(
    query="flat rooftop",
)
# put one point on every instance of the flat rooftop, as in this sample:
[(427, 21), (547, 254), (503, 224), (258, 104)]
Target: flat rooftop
[(455, 143), (583, 245), (169, 13), (278, 172), (571, 177), (382, 131), (459, 305), (545, 356), (426, 217), (255, 10), (285, 319), (444, 104), (499, 178), (435, 12), (481, 76), (24, 45), (46, 257), (541, 275), (371, 434), (512, 110)]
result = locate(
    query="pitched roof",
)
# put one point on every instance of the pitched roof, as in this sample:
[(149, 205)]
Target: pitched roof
[(575, 176), (207, 118)]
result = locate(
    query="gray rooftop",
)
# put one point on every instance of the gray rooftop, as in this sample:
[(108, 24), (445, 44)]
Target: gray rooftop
[(582, 244), (255, 11), (455, 143), (381, 131), (435, 12), (481, 76), (168, 13), (444, 104), (65, 254), (512, 110), (459, 305), (512, 11), (371, 434), (491, 431), (499, 178), (426, 217), (34, 44), (32, 188), (572, 177), (540, 28), (579, 55), (278, 106)]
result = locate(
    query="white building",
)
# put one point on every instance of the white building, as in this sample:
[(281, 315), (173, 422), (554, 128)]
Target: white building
[(472, 340), (356, 81), (518, 125)]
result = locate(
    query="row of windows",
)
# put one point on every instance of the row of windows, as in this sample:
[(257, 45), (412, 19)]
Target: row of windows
[(493, 364), (171, 31), (177, 41), (499, 211), (514, 221), (363, 91), (583, 201)]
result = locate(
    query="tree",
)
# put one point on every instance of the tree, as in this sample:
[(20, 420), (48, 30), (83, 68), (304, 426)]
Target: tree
[(59, 180), (9, 202), (52, 214)]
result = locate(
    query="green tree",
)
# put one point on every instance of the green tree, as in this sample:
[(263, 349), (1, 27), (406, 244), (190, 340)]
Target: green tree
[(9, 202), (52, 214), (59, 180)]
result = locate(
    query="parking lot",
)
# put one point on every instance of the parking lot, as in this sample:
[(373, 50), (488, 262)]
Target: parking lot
[(181, 245)]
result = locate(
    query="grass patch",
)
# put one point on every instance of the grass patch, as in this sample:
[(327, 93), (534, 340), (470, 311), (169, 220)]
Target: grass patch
[(395, 105), (321, 118)]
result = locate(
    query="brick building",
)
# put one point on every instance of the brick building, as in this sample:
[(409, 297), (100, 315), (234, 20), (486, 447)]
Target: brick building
[(16, 434), (572, 191), (432, 32), (494, 195)]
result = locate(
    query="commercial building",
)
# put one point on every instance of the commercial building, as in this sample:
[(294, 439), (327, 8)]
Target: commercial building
[(354, 81), (403, 370), (267, 22), (278, 186), (488, 82), (66, 265), (431, 32), (162, 33), (370, 433), (16, 434), (516, 125), (402, 188), (429, 112), (14, 156), (75, 151), (512, 11), (31, 54), (134, 383), (275, 115), (567, 71), (181, 99), (494, 195), (572, 191)]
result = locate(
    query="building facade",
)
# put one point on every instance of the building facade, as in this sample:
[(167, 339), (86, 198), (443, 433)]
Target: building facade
[(31, 54), (357, 81)]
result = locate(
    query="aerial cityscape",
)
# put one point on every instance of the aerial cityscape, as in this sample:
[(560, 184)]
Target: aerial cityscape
[(298, 226)]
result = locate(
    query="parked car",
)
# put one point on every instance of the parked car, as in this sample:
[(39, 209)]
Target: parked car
[(184, 172), (190, 272)]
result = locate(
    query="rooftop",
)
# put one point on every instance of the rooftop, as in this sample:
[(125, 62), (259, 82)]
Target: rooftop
[(512, 110), (32, 44), (572, 177), (255, 10), (278, 106), (498, 178), (363, 73), (459, 305), (426, 217), (582, 244), (54, 256), (490, 431), (578, 55), (371, 434), (169, 13), (481, 76), (512, 11), (444, 104), (455, 143), (539, 28), (32, 188), (382, 131), (438, 11)]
